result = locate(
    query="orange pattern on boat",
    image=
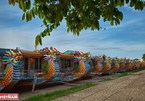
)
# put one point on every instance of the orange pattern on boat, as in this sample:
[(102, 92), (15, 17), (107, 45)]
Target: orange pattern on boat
[(106, 67), (115, 67), (81, 70), (8, 76), (51, 70), (97, 67)]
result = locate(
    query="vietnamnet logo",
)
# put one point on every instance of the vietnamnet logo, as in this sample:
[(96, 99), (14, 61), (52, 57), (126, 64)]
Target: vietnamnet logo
[(9, 96)]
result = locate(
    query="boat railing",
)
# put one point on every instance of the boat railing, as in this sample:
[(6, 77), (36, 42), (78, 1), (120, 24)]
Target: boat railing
[(1, 75), (25, 74), (29, 73), (68, 70)]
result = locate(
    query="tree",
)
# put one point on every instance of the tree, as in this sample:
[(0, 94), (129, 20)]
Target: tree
[(143, 57), (136, 59), (79, 14)]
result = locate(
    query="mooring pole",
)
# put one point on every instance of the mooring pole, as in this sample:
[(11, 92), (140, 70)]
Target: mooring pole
[(34, 82)]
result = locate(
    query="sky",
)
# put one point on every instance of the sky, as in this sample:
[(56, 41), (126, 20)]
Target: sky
[(125, 40)]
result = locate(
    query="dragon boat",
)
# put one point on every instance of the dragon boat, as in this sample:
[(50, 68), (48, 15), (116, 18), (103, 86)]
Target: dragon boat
[(82, 64), (20, 68), (114, 65), (102, 65), (121, 66), (28, 68)]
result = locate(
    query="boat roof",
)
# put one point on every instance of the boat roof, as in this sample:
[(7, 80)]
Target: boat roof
[(37, 54), (72, 52), (31, 54), (66, 56)]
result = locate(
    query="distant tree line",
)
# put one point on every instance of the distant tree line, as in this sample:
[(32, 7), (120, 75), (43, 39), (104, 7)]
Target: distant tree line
[(143, 57)]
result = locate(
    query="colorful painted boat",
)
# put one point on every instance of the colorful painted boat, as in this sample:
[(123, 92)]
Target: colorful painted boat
[(9, 68), (128, 65), (63, 63), (31, 68), (121, 66), (24, 68), (114, 65), (67, 67), (81, 64), (96, 64), (143, 64)]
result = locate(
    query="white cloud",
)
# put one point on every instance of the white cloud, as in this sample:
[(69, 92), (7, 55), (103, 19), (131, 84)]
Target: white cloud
[(124, 24), (21, 36)]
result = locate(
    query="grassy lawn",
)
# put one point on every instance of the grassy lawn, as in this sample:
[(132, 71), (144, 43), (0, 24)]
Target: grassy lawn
[(133, 72), (56, 94)]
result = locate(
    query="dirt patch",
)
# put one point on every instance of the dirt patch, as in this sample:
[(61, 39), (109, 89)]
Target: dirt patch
[(128, 88), (54, 87)]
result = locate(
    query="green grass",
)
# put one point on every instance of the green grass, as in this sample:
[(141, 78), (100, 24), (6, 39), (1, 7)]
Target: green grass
[(133, 72), (56, 94), (117, 76)]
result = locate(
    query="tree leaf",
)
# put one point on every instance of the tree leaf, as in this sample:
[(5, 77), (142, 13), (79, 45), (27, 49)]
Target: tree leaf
[(23, 16), (112, 22), (21, 4), (28, 4), (10, 2), (79, 14), (40, 40), (37, 40), (127, 1), (27, 16)]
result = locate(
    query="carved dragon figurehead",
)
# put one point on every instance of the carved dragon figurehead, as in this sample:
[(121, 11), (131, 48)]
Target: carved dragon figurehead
[(11, 57), (82, 55), (50, 53), (85, 55)]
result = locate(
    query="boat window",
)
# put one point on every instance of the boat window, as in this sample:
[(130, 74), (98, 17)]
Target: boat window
[(1, 70), (26, 63), (76, 65), (24, 70), (0, 63), (31, 66), (66, 64), (2, 67), (38, 64)]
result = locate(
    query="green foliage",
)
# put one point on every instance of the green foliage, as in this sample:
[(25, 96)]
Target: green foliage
[(136, 59), (133, 72), (56, 94), (79, 14), (143, 57)]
